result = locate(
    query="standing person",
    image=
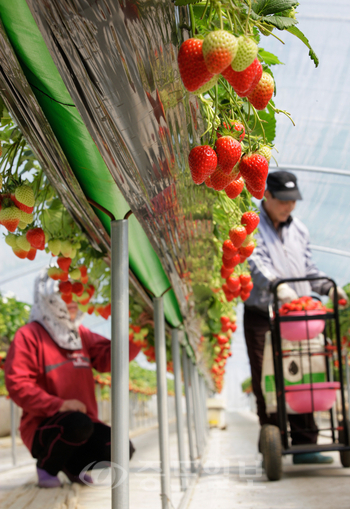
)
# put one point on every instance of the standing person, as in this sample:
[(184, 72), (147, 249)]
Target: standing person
[(282, 251), (48, 373)]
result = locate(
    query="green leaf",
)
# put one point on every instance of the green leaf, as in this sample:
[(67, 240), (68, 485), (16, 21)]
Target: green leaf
[(298, 33), (265, 7), (269, 58), (280, 22)]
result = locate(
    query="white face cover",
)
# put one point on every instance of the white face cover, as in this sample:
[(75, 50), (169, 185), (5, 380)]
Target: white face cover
[(51, 312)]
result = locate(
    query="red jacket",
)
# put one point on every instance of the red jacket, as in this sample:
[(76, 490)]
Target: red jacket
[(40, 375)]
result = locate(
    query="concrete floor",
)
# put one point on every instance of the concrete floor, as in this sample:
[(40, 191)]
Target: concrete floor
[(231, 476)]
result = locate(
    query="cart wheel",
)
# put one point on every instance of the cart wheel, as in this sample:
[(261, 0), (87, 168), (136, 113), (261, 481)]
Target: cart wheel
[(344, 455), (271, 448)]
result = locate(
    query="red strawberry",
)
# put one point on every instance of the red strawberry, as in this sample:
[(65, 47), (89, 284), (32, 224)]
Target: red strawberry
[(247, 250), (229, 296), (54, 273), (254, 169), (21, 206), (207, 182), (244, 296), (236, 126), (64, 263), (250, 220), (31, 254), (242, 258), (229, 249), (10, 218), (224, 320), (225, 273), (244, 82), (237, 235), (63, 276), (257, 194), (237, 292), (20, 253), (249, 287), (219, 49), (202, 161), (245, 279), (229, 263), (228, 151), (65, 287), (83, 270), (67, 297), (193, 71), (78, 288), (233, 283), (263, 92), (36, 238), (91, 309), (85, 280), (225, 288), (91, 290), (235, 188), (220, 180)]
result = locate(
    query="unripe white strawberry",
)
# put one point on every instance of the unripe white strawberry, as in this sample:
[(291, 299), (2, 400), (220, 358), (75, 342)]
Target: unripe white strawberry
[(10, 217), (66, 248), (219, 49), (11, 240), (247, 51), (265, 151), (23, 243), (54, 246), (24, 194)]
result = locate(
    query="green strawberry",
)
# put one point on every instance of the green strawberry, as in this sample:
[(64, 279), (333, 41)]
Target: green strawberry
[(25, 195), (219, 49), (26, 217), (11, 240), (23, 243), (54, 246), (265, 151), (246, 54)]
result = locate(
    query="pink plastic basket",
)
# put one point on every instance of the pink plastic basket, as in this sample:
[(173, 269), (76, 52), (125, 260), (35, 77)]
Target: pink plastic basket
[(299, 396), (297, 331)]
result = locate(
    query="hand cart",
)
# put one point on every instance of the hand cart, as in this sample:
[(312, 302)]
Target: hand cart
[(275, 442)]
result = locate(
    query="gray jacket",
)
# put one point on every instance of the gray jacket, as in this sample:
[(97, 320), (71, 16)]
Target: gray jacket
[(282, 254)]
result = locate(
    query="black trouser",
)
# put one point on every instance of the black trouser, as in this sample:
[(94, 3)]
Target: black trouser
[(70, 441), (255, 327)]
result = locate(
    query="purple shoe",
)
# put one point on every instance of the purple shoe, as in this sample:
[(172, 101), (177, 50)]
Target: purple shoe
[(87, 479), (45, 480)]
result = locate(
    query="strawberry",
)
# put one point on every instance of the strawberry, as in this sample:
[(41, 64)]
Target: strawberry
[(242, 258), (193, 71), (247, 50), (84, 279), (26, 218), (91, 290), (67, 297), (54, 273), (91, 309), (245, 279), (265, 151), (229, 249), (263, 92), (10, 218), (66, 249), (229, 296), (254, 169), (224, 320), (228, 151), (25, 196), (237, 292), (202, 161), (220, 180), (237, 235), (244, 296), (225, 273), (75, 274), (235, 188), (20, 205), (250, 220), (233, 283), (243, 83), (36, 238), (54, 246), (247, 250), (236, 126), (64, 263), (78, 289), (231, 262), (83, 270), (219, 49), (31, 254), (207, 182), (23, 243), (63, 276), (249, 287), (11, 240), (65, 287), (257, 194), (20, 253), (210, 84), (22, 225)]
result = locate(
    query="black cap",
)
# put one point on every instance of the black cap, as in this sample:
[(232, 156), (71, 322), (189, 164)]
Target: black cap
[(283, 185)]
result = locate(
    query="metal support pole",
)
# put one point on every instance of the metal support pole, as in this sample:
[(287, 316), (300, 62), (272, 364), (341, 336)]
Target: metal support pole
[(162, 400), (120, 363), (13, 433), (196, 409), (200, 407), (204, 404), (178, 405), (185, 367)]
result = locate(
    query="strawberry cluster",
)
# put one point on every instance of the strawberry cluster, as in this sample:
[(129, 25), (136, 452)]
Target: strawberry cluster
[(201, 62), (221, 351), (138, 335), (235, 251), (305, 303)]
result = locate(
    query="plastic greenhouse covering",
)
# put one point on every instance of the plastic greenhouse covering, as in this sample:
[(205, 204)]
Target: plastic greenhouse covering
[(317, 148)]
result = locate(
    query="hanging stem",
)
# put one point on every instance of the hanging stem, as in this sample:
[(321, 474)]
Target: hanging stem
[(220, 15), (193, 21), (205, 10), (276, 110), (215, 113)]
